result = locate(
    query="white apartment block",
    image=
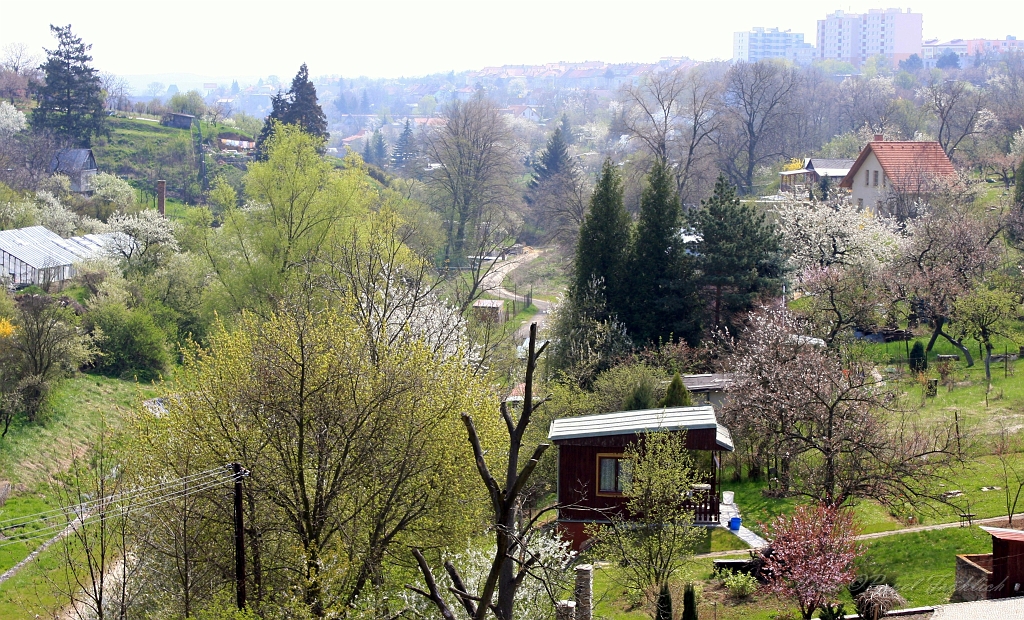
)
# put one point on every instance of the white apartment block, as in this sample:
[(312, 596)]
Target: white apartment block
[(765, 43), (855, 37)]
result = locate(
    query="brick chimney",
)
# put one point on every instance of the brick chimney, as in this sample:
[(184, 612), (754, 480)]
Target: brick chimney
[(879, 137), (161, 195)]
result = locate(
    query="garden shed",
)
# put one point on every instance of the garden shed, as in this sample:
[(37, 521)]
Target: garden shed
[(79, 165), (591, 452), (36, 255)]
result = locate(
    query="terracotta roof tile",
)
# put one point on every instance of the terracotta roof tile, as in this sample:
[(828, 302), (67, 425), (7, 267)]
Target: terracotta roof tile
[(905, 163)]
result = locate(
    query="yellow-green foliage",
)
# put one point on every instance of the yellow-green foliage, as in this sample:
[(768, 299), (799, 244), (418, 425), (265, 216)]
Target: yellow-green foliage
[(364, 431)]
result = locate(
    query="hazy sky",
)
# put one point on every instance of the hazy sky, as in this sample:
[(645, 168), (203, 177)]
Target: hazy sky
[(226, 38)]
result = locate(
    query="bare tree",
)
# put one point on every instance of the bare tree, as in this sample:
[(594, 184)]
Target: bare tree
[(675, 115), (512, 562), (757, 99), (959, 109), (118, 92)]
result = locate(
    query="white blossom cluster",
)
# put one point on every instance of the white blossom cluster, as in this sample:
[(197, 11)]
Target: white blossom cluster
[(823, 235)]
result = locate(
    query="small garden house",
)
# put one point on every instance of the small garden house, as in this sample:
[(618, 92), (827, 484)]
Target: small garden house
[(36, 255), (591, 451), (999, 574)]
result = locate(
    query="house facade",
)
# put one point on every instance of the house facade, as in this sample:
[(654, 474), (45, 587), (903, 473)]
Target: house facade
[(592, 468), (886, 168)]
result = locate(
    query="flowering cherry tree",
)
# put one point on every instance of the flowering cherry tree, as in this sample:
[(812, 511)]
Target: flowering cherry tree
[(811, 557)]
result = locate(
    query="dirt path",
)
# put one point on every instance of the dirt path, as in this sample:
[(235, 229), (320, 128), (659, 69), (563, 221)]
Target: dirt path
[(12, 571), (492, 284)]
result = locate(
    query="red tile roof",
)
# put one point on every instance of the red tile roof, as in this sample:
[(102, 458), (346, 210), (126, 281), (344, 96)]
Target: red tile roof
[(904, 162), (1003, 533)]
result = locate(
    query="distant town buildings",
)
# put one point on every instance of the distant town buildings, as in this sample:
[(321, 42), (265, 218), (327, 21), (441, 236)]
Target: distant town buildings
[(933, 49), (764, 43), (856, 37)]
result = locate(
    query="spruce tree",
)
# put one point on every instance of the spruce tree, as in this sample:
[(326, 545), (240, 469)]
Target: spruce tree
[(71, 99), (554, 160), (567, 133), (661, 291), (296, 107), (380, 149), (677, 394), (603, 244), (403, 152), (739, 254)]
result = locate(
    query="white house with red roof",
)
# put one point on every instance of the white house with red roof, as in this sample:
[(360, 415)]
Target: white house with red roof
[(887, 166)]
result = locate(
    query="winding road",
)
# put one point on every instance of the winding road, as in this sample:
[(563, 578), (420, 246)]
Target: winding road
[(492, 284)]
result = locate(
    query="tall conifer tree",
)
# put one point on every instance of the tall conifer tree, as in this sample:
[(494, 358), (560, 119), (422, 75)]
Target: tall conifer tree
[(603, 244), (71, 100), (661, 294), (296, 107), (739, 254)]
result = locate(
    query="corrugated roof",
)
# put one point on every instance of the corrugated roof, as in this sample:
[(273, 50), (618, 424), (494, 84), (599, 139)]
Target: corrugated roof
[(641, 421), (707, 382), (1003, 533), (904, 163), (39, 247)]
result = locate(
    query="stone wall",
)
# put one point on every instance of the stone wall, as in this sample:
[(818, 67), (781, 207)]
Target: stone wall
[(973, 573)]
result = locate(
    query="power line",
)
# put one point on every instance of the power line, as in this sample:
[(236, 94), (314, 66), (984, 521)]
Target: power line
[(27, 519), (147, 497), (55, 529)]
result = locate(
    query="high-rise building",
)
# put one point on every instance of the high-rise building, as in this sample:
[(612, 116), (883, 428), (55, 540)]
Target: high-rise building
[(855, 37), (763, 43), (967, 49)]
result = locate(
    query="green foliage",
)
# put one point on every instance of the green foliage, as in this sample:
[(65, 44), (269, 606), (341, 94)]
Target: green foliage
[(297, 107), (662, 301), (553, 160), (833, 612), (70, 101), (1018, 190), (689, 602), (677, 394), (190, 102), (739, 254), (603, 245), (740, 585), (918, 360), (663, 608), (642, 397), (132, 345), (405, 147), (654, 544)]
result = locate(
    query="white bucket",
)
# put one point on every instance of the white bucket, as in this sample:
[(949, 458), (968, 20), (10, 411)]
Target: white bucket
[(727, 497)]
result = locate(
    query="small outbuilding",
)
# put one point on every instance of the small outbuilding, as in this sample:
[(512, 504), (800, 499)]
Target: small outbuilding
[(999, 574), (79, 165), (490, 310), (591, 456), (178, 121)]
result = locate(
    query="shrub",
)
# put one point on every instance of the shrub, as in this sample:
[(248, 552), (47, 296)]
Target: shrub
[(132, 344), (677, 394), (664, 606), (740, 585), (689, 603), (641, 398), (877, 601), (918, 360)]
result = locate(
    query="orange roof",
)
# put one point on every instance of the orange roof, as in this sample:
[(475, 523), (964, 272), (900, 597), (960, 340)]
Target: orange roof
[(1003, 533), (904, 162)]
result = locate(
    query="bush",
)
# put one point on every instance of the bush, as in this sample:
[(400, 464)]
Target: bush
[(918, 360), (677, 394), (689, 603), (132, 344), (877, 601), (740, 585)]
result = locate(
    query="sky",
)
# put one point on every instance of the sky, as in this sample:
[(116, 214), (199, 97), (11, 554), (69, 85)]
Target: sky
[(251, 38)]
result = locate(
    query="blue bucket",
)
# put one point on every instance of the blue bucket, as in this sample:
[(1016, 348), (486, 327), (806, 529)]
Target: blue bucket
[(734, 523)]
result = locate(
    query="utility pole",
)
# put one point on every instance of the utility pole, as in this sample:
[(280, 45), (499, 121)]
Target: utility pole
[(238, 474)]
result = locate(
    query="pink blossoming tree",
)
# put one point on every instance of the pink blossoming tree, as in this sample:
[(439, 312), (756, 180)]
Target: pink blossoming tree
[(811, 557)]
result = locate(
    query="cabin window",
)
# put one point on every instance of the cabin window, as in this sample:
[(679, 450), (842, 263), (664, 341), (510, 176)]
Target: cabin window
[(867, 178), (612, 473)]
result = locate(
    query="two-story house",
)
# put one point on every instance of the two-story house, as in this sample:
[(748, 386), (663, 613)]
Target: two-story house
[(887, 169)]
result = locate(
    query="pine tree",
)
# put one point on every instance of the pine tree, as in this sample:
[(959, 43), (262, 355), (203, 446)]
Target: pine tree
[(367, 151), (404, 150), (664, 604), (296, 107), (380, 149), (567, 133), (71, 99), (739, 254), (661, 294), (603, 243), (677, 394), (689, 603), (554, 159)]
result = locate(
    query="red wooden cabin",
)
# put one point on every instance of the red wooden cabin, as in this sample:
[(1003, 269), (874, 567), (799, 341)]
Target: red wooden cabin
[(590, 453), (1007, 577)]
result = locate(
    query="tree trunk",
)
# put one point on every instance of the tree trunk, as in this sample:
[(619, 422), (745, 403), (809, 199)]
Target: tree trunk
[(959, 345)]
